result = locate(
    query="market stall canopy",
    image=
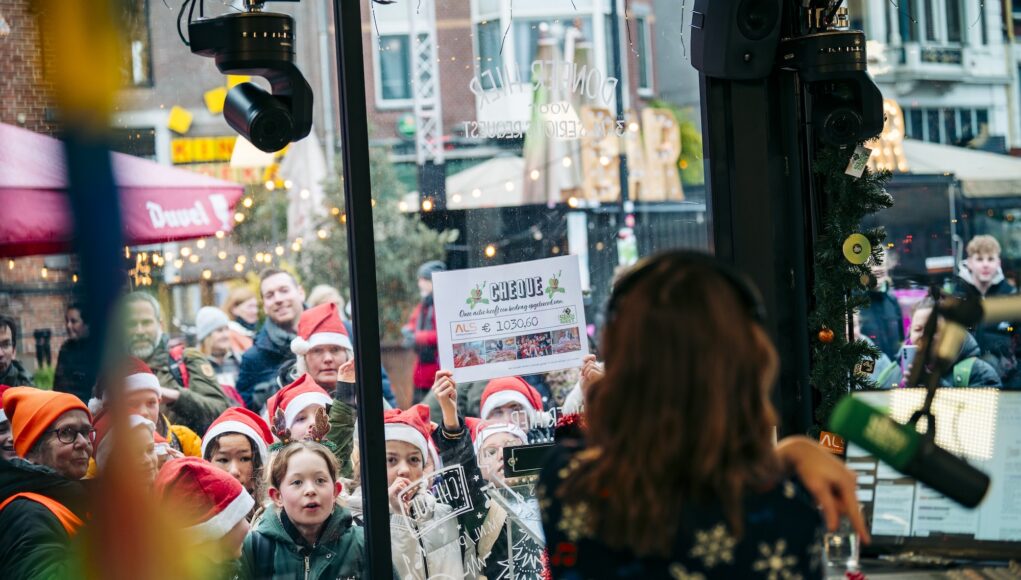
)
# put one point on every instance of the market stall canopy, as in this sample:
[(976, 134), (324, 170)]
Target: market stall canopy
[(158, 203), (496, 182), (981, 174)]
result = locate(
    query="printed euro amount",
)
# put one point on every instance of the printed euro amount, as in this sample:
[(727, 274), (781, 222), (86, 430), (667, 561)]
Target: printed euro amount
[(514, 324)]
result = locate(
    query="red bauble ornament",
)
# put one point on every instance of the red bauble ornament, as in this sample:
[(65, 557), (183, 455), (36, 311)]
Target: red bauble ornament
[(826, 336)]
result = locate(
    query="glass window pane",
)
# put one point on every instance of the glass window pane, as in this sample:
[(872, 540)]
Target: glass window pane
[(644, 49), (489, 59), (394, 67), (950, 125), (915, 123), (929, 20), (954, 18), (933, 125)]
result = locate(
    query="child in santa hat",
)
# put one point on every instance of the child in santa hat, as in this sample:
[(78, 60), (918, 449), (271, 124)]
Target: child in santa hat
[(142, 394), (512, 400), (307, 533), (209, 505), (423, 531), (485, 527), (489, 440), (136, 447), (293, 409), (238, 442)]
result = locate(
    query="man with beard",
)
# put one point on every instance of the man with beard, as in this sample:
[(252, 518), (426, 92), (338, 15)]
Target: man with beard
[(191, 396), (11, 371), (42, 500), (283, 300)]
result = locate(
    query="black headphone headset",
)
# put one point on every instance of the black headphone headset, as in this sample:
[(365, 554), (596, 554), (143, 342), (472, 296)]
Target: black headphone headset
[(746, 291)]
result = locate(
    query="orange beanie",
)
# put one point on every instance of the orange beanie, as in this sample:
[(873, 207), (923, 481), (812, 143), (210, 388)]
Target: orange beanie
[(31, 411)]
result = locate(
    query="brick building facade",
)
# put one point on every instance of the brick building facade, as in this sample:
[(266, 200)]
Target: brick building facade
[(34, 301)]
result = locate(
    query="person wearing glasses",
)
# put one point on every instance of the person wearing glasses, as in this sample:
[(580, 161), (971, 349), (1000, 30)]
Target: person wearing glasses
[(42, 499)]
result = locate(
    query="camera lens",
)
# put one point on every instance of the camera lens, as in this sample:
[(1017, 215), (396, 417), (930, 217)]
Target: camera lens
[(842, 127), (259, 117)]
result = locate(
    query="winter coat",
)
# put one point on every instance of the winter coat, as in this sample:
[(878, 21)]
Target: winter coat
[(16, 376), (968, 370), (421, 331), (882, 321), (75, 373), (202, 401), (782, 536), (997, 336), (257, 379), (274, 549), (33, 543), (433, 554), (341, 434)]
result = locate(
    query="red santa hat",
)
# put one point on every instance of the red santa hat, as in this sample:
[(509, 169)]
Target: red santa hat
[(482, 430), (295, 397), (242, 421), (318, 326), (137, 377), (506, 390), (104, 439), (413, 427), (140, 378), (208, 500)]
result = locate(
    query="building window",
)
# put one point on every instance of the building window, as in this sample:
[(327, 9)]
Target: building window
[(914, 128), (394, 67), (952, 126), (490, 60), (955, 21), (643, 45), (528, 32), (136, 64)]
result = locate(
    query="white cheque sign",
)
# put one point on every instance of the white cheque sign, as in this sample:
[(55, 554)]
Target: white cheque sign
[(517, 319)]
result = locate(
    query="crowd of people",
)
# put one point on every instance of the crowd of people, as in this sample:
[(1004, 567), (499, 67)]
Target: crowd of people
[(248, 443), (989, 353)]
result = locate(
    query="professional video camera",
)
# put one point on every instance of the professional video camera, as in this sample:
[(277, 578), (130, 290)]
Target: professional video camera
[(750, 39), (257, 43)]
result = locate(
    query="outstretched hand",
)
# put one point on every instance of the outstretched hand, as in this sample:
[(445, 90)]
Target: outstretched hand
[(346, 372), (445, 390), (591, 371), (824, 476)]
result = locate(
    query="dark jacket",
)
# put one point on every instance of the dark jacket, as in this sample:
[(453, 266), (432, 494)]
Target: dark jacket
[(782, 536), (274, 549), (257, 380), (76, 373), (995, 336), (16, 376), (33, 543), (883, 322), (968, 370)]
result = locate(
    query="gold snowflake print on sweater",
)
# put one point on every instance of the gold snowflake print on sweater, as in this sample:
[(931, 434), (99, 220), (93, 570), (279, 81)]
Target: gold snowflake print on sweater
[(574, 521), (775, 563), (679, 572), (714, 546)]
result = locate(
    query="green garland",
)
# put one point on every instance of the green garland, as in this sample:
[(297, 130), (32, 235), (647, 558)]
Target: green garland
[(839, 284)]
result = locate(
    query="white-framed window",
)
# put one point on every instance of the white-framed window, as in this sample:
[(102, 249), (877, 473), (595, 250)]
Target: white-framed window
[(948, 125), (394, 70), (643, 46), (936, 22)]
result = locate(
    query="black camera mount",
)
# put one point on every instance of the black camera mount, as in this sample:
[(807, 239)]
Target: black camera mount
[(260, 44)]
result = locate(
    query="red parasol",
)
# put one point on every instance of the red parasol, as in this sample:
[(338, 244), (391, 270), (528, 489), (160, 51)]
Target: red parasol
[(158, 203)]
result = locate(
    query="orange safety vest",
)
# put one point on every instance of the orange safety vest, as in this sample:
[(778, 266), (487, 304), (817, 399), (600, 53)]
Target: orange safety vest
[(65, 516)]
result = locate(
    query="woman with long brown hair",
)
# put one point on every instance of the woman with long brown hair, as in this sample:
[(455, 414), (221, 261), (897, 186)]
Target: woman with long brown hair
[(679, 476)]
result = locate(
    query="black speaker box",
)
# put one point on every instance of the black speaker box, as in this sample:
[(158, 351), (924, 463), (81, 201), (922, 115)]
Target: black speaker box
[(735, 39)]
